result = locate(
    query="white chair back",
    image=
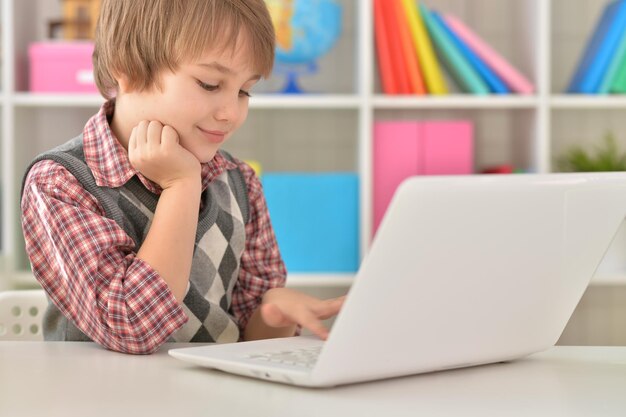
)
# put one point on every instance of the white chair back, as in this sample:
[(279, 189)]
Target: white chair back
[(21, 314)]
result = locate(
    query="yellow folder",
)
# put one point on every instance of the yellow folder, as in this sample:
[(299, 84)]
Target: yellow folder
[(435, 82)]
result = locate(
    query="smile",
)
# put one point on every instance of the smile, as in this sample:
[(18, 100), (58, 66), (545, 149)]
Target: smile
[(213, 136)]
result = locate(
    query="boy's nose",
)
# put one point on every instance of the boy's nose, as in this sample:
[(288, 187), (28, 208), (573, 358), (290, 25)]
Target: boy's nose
[(228, 110)]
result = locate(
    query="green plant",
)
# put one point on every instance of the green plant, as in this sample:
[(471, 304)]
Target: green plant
[(607, 157)]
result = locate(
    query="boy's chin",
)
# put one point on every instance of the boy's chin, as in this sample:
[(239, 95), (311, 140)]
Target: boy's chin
[(206, 156)]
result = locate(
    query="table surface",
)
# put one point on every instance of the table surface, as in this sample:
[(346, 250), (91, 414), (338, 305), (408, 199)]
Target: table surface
[(82, 379)]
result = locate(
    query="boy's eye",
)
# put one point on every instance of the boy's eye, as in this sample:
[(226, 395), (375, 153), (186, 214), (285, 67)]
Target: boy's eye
[(207, 87), (210, 87)]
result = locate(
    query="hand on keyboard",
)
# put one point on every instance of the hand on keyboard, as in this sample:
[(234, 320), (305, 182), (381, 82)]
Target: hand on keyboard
[(283, 307)]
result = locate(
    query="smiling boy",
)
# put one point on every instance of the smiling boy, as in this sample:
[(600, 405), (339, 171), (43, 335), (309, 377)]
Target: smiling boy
[(141, 230)]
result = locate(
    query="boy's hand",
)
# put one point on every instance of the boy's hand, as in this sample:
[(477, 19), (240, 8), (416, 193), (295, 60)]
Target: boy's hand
[(283, 307), (155, 151)]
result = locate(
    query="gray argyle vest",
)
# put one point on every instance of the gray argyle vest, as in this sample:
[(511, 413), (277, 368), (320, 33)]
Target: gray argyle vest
[(220, 242)]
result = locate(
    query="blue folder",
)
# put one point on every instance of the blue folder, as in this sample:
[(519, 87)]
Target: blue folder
[(316, 220), (611, 71), (600, 49), (496, 85), (463, 73)]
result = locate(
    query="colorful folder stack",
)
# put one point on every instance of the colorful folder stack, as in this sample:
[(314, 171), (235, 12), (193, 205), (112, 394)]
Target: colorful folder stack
[(602, 67), (411, 40)]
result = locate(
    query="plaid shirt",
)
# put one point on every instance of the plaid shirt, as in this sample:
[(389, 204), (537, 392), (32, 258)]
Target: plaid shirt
[(88, 266)]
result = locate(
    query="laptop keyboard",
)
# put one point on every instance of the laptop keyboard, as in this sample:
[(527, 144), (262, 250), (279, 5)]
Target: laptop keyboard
[(305, 357)]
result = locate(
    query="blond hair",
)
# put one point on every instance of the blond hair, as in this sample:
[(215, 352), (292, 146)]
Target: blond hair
[(140, 38)]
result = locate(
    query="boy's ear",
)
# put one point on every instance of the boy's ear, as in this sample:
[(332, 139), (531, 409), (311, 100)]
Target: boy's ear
[(123, 86)]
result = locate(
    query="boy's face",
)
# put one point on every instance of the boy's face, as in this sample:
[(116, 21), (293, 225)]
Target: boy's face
[(204, 101)]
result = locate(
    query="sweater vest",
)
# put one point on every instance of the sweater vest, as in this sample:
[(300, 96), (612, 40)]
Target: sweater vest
[(219, 245)]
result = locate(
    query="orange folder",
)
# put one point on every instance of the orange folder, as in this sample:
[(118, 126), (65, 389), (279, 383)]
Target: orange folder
[(385, 65), (429, 63), (395, 48), (416, 81)]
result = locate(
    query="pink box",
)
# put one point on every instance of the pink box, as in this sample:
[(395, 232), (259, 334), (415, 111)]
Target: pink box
[(448, 148), (397, 156), (60, 66), (404, 149)]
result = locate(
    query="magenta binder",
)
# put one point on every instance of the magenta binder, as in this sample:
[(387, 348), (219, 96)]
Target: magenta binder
[(448, 148), (396, 157), (407, 148)]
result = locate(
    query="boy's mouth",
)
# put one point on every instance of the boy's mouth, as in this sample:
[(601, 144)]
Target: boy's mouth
[(213, 136)]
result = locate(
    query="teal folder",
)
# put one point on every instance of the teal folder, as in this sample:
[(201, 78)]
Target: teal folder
[(601, 48), (463, 73), (615, 61), (495, 83)]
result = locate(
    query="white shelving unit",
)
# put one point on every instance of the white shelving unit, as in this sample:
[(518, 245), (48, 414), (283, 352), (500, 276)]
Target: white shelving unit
[(333, 132)]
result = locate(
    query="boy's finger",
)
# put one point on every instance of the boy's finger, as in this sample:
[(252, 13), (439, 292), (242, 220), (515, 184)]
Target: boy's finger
[(169, 136), (154, 134), (272, 316), (329, 308), (312, 323), (141, 133)]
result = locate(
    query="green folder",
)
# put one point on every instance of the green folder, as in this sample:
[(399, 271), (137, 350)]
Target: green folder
[(611, 72), (618, 85), (464, 74)]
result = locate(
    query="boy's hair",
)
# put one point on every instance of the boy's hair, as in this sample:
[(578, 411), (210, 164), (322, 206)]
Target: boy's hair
[(140, 38)]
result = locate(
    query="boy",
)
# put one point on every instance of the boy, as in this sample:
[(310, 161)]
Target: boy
[(140, 230)]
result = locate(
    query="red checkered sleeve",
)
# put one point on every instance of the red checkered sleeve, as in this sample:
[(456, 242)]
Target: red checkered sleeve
[(262, 267), (87, 265)]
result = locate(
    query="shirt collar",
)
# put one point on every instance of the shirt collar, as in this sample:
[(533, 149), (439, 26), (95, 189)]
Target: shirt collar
[(109, 163)]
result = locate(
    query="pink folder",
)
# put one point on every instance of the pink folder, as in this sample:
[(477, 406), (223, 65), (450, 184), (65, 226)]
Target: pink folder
[(448, 148), (407, 148), (512, 77), (396, 157)]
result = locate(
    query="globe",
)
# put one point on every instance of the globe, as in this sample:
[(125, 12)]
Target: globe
[(305, 31)]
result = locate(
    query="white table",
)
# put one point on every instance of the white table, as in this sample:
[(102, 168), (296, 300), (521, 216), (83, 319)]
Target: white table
[(82, 379)]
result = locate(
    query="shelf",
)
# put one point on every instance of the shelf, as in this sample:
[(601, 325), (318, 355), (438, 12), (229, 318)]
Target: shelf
[(458, 101), (319, 280), (305, 101), (57, 100), (23, 279), (268, 101), (260, 101), (586, 102), (26, 279), (345, 280)]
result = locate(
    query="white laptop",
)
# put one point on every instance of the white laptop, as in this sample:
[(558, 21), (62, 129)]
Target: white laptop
[(463, 271)]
